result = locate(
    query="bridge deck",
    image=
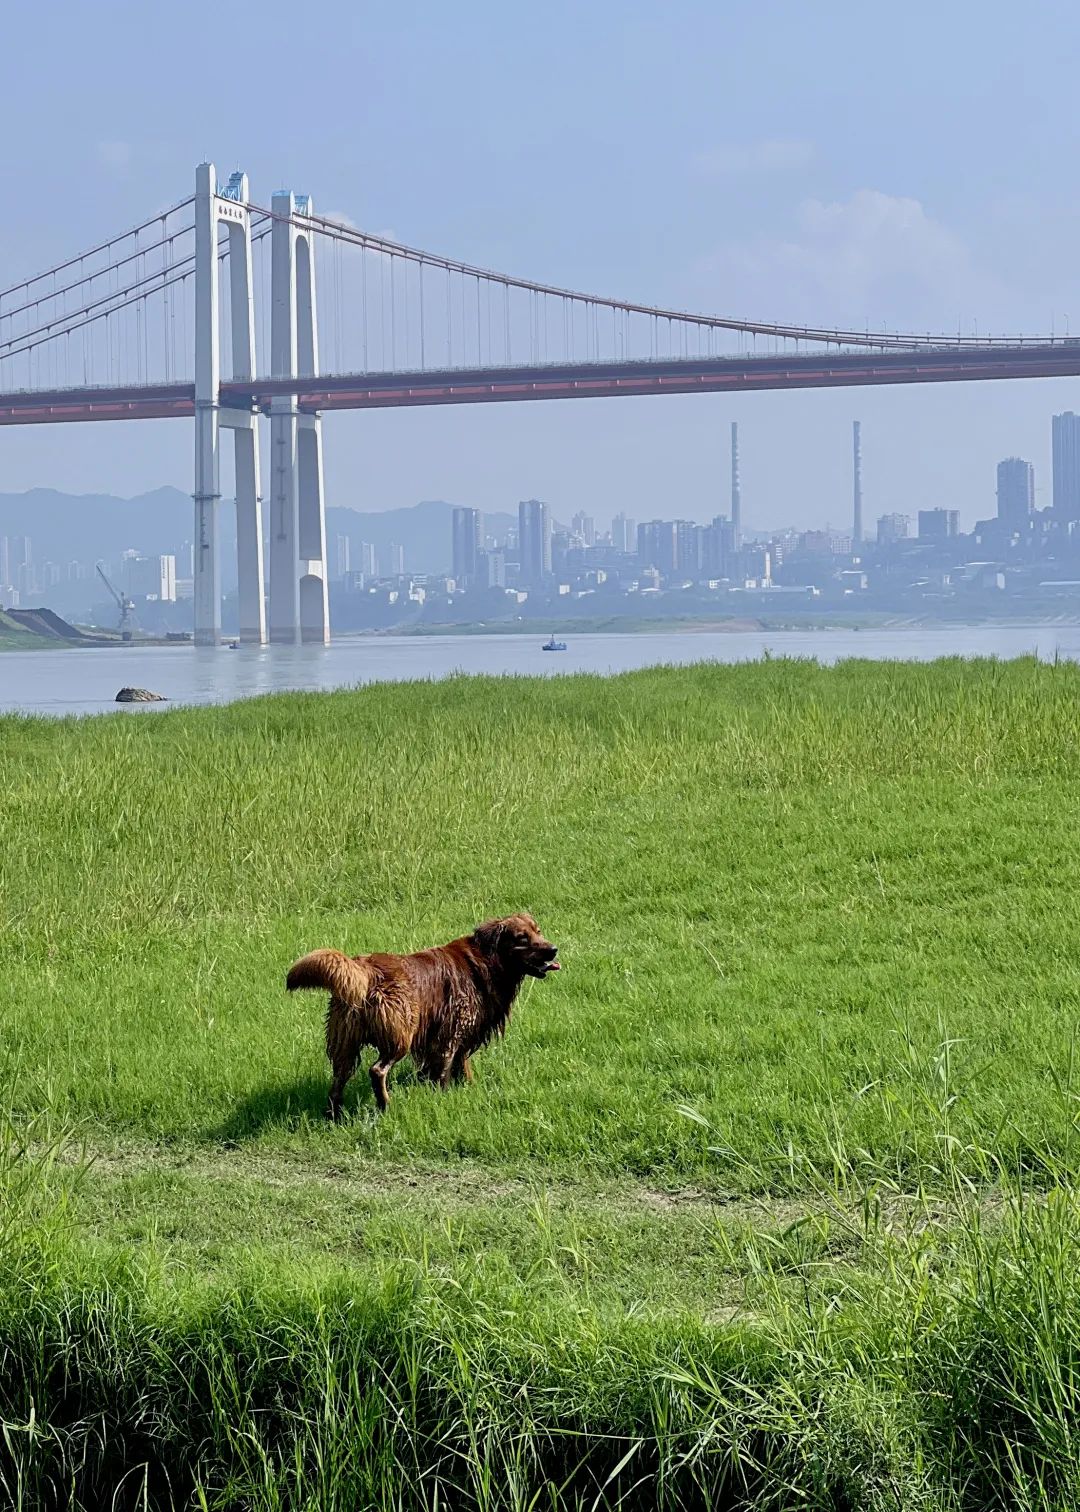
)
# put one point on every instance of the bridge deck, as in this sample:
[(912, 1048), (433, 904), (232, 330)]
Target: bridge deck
[(573, 381)]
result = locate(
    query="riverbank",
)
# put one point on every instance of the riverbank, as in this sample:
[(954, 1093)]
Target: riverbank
[(57, 683), (691, 624), (769, 1193), (14, 638)]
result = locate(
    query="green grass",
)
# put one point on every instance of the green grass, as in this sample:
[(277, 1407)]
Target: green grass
[(777, 890), (13, 637), (784, 1154)]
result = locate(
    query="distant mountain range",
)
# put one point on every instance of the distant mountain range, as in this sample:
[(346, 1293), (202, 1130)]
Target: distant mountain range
[(83, 527)]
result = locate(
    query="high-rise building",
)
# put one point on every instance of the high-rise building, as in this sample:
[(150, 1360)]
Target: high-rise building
[(369, 566), (21, 565), (856, 461), (5, 562), (396, 566), (151, 577), (560, 553), (1015, 491), (1066, 440), (656, 545), (718, 548), (344, 555), (824, 543), (757, 564), (938, 524), (687, 547), (468, 541), (534, 540), (623, 534), (491, 569), (584, 525), (736, 487), (892, 527)]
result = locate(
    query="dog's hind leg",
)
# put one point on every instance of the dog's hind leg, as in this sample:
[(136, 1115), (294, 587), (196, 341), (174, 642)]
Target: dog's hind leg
[(343, 1070), (380, 1075), (343, 1049), (452, 1065)]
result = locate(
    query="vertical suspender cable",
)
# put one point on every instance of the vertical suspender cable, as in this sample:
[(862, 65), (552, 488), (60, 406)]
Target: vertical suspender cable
[(382, 311), (405, 279), (363, 303)]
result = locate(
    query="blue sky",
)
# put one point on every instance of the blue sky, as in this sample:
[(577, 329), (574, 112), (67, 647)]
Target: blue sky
[(844, 163)]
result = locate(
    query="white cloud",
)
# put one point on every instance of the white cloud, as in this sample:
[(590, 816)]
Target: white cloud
[(874, 258), (115, 156), (770, 156), (339, 218)]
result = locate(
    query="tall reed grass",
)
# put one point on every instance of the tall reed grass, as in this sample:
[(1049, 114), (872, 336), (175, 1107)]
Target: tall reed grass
[(939, 1371)]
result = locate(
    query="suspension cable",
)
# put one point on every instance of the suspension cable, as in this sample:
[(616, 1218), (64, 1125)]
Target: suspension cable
[(592, 303), (161, 217)]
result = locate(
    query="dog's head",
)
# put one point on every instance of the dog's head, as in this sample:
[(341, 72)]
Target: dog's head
[(517, 942)]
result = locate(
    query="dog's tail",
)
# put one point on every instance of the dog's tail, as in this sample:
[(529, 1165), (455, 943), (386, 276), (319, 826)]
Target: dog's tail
[(346, 978)]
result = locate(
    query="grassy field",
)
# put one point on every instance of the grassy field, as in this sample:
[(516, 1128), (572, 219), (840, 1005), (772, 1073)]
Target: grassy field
[(768, 1195)]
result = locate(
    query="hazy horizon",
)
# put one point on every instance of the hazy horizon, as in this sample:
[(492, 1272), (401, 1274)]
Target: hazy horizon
[(837, 168), (602, 522)]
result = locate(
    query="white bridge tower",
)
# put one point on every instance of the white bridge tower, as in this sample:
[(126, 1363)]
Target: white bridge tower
[(212, 207), (299, 609)]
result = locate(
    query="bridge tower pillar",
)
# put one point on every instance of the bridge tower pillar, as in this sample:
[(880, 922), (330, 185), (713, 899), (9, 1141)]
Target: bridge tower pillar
[(299, 604), (212, 207), (207, 566), (251, 592)]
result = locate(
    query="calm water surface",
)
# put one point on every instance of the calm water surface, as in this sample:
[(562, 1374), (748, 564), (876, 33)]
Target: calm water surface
[(86, 681)]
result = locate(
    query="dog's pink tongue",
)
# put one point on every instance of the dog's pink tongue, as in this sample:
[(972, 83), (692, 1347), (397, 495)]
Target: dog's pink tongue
[(554, 966)]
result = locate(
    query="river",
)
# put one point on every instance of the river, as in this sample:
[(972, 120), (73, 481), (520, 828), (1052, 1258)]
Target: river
[(86, 681)]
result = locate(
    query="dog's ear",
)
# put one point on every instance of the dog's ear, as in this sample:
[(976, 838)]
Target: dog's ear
[(489, 936)]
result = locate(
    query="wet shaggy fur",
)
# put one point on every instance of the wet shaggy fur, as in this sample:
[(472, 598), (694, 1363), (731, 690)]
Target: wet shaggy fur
[(439, 1006)]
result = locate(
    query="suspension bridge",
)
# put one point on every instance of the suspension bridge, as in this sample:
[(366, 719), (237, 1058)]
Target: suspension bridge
[(133, 328)]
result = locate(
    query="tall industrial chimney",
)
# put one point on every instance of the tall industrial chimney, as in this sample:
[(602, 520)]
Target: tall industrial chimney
[(736, 491), (856, 440)]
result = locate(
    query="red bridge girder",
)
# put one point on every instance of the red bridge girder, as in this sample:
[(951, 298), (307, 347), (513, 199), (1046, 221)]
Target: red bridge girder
[(576, 381)]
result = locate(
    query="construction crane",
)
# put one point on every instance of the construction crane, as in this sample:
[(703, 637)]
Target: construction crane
[(125, 605)]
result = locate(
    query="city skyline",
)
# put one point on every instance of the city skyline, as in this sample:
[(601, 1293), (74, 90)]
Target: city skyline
[(1061, 462), (662, 543), (544, 542)]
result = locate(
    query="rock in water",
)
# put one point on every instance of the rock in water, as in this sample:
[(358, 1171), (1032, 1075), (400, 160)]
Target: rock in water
[(139, 695)]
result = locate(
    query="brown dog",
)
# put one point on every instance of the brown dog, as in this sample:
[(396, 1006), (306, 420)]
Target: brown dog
[(437, 1005)]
